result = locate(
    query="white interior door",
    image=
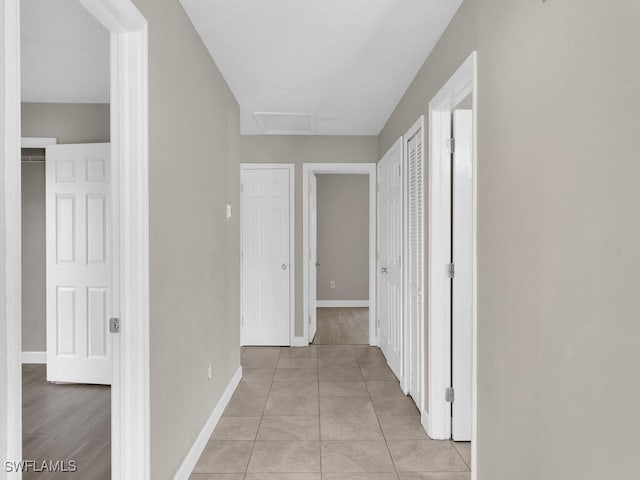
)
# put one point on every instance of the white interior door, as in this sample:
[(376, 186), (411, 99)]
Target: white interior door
[(266, 260), (415, 255), (79, 275), (313, 254), (390, 246), (462, 291)]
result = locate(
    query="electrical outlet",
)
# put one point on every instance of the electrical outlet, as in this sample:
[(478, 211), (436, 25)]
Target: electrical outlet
[(209, 371), (332, 284)]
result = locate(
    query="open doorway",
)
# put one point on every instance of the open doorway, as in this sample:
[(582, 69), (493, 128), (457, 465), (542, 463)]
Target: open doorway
[(128, 171), (339, 245), (339, 238), (452, 285), (67, 246)]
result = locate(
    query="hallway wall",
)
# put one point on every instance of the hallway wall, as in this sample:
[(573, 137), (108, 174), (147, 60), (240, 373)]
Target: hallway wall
[(299, 149), (194, 157), (558, 174), (343, 237)]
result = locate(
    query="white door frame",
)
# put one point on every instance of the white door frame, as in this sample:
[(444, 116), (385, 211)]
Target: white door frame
[(462, 83), (130, 438), (292, 235), (340, 168)]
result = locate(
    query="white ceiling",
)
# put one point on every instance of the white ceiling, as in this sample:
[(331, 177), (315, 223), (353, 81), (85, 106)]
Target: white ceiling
[(65, 53), (342, 64)]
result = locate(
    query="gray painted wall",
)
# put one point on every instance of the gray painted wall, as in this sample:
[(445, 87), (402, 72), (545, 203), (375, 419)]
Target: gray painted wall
[(194, 142), (343, 237), (558, 172), (69, 123), (34, 328), (306, 149)]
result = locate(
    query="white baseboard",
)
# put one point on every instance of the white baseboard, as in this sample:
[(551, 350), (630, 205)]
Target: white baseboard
[(342, 303), (34, 357), (424, 419), (299, 342), (189, 462)]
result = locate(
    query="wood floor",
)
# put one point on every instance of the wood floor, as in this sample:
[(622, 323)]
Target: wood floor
[(66, 422), (342, 326)]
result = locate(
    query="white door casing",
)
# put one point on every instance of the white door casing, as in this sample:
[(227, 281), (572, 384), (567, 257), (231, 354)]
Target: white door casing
[(266, 255), (462, 289), (79, 263), (390, 254), (414, 265), (313, 254)]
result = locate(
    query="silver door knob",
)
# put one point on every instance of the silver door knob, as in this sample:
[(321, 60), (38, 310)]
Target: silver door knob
[(284, 266), (384, 270)]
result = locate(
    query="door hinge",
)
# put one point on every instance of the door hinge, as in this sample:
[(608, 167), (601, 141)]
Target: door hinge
[(399, 170), (451, 145), (378, 187), (114, 325), (242, 321), (451, 270), (241, 187), (449, 394)]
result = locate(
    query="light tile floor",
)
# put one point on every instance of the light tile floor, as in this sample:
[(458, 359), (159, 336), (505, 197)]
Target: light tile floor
[(324, 413)]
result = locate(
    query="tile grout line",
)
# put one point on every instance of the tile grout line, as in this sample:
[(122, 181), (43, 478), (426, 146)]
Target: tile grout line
[(375, 412), (253, 446)]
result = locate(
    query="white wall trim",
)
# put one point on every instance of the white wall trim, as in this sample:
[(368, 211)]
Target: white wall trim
[(190, 461), (462, 83), (342, 303), (10, 238), (38, 142), (292, 239), (34, 357), (129, 139), (341, 168), (299, 342)]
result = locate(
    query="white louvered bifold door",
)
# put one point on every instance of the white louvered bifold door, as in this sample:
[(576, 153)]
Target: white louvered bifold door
[(414, 265), (79, 275), (390, 246)]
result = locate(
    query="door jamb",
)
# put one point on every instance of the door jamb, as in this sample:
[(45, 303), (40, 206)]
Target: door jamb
[(340, 168), (130, 449), (462, 83), (292, 243)]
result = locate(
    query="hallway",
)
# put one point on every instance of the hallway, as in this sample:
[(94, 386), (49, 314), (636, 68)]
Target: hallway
[(326, 412), (342, 326)]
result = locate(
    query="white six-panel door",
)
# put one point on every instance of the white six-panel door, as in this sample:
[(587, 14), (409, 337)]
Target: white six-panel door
[(415, 257), (79, 275), (266, 261), (462, 291), (390, 250)]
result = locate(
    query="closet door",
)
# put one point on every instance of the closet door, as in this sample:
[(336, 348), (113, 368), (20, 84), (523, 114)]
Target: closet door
[(79, 264), (390, 246), (415, 259)]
